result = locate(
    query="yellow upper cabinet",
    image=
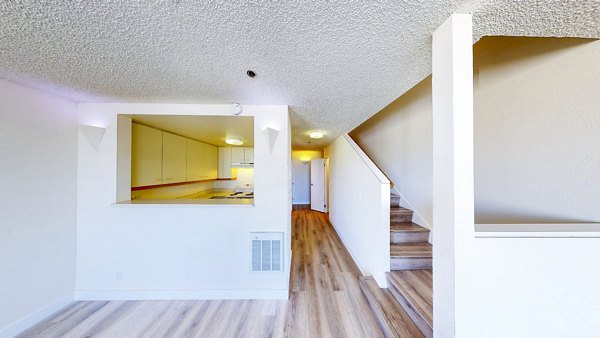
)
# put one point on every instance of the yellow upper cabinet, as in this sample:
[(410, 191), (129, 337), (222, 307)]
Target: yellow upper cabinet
[(225, 170), (146, 156), (174, 158), (211, 161), (202, 161), (195, 161), (242, 155), (160, 157)]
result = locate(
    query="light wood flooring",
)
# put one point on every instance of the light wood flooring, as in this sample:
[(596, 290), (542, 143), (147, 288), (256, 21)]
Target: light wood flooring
[(410, 288), (413, 289), (325, 301)]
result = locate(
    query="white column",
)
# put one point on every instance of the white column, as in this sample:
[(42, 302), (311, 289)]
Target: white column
[(123, 158), (453, 215)]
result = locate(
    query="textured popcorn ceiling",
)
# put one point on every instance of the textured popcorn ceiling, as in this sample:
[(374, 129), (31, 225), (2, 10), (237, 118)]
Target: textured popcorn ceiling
[(335, 63)]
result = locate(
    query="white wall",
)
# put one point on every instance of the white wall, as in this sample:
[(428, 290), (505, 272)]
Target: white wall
[(178, 251), (537, 130), (301, 174), (532, 287), (398, 139), (38, 152), (359, 207)]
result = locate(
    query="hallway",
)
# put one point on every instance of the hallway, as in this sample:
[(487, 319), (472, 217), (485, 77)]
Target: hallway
[(325, 301)]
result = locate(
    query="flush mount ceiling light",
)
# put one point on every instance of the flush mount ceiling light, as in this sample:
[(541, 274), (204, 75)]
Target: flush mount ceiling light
[(316, 134), (234, 141)]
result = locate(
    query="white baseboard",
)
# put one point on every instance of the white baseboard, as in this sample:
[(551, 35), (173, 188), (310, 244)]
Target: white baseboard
[(179, 294), (289, 268), (37, 316), (381, 280)]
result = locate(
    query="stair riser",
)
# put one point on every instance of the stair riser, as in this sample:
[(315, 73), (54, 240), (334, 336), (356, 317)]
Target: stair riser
[(410, 263), (395, 201), (405, 217), (409, 237), (414, 315), (377, 311)]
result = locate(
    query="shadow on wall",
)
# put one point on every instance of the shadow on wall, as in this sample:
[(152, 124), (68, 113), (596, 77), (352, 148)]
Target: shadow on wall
[(535, 104), (399, 140), (510, 56), (536, 124)]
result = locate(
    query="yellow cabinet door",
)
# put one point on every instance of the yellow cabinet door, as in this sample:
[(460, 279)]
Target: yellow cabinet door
[(211, 160), (224, 162), (174, 158), (146, 155), (195, 159)]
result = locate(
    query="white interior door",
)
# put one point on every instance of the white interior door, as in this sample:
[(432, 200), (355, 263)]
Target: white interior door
[(317, 185), (300, 182)]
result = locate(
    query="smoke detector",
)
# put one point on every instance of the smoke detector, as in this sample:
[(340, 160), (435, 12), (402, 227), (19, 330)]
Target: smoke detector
[(236, 109)]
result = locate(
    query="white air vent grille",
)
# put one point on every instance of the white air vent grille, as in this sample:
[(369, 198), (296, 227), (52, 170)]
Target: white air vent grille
[(267, 251)]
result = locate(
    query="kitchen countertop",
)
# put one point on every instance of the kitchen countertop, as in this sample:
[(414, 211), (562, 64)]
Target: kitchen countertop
[(202, 197), (189, 201), (207, 194)]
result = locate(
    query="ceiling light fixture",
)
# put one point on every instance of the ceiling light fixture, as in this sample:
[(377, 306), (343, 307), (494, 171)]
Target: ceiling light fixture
[(315, 134), (234, 141)]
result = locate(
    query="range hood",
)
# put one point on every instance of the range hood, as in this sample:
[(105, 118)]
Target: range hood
[(243, 165)]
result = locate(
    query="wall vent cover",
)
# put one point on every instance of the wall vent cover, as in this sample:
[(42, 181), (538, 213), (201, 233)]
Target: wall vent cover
[(267, 251)]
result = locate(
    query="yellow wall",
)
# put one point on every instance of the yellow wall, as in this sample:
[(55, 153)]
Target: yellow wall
[(306, 155)]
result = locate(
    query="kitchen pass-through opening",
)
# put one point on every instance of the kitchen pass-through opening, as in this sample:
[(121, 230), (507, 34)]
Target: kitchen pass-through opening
[(191, 159)]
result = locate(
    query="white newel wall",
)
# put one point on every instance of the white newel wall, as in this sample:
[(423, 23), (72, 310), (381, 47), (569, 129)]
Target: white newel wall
[(178, 251), (453, 205), (359, 207), (495, 287)]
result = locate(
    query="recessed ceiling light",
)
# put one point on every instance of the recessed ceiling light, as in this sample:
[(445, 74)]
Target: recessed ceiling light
[(316, 134), (234, 141)]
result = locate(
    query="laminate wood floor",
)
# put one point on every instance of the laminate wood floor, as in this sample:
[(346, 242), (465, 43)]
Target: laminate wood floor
[(325, 301)]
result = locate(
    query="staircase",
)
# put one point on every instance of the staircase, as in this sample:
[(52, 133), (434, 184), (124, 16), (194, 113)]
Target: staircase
[(410, 283)]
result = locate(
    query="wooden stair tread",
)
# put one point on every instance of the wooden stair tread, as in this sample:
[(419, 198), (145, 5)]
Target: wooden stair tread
[(411, 250), (414, 291), (399, 210), (390, 315), (407, 227)]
